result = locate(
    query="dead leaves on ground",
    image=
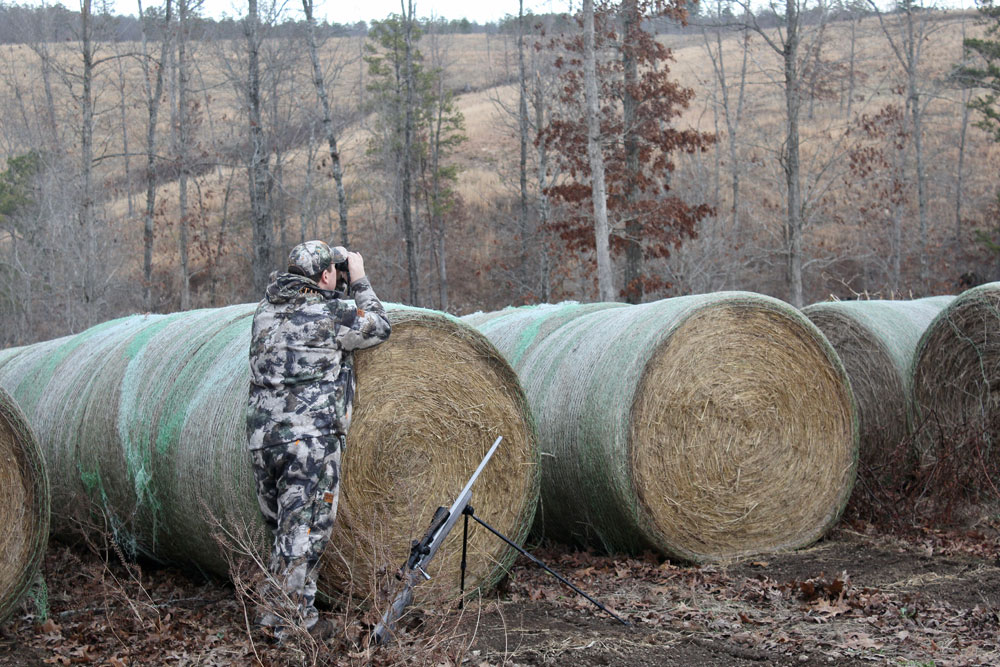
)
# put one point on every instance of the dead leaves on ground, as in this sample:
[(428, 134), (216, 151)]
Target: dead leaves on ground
[(828, 614), (108, 613)]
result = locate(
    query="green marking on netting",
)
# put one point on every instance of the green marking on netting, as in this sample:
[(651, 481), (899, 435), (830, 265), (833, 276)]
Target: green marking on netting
[(31, 387), (142, 338), (137, 463), (91, 481), (178, 400), (94, 485), (138, 457), (531, 331)]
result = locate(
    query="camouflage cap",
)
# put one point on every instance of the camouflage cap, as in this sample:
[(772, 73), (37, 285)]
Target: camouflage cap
[(313, 257), (339, 253)]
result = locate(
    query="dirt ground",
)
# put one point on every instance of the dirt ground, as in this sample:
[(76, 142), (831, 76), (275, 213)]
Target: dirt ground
[(854, 598)]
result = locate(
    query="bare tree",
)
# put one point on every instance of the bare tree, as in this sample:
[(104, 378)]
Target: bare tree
[(730, 89), (605, 280), (331, 136), (545, 180), (154, 91), (86, 210), (785, 42), (259, 167), (445, 131), (523, 130), (964, 99), (123, 104), (182, 136), (409, 83), (914, 28)]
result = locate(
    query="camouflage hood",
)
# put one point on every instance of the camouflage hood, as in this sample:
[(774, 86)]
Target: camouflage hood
[(285, 287)]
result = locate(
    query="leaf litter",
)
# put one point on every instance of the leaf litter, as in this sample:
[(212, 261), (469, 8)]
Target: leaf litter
[(855, 598)]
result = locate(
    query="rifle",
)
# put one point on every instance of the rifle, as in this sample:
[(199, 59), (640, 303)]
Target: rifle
[(421, 552)]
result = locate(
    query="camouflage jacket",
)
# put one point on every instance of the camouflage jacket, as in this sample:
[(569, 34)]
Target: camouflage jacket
[(301, 358)]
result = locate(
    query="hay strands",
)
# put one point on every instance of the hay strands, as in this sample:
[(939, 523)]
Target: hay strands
[(422, 551), (705, 427)]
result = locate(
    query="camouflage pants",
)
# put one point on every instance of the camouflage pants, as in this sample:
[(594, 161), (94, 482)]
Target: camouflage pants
[(298, 485)]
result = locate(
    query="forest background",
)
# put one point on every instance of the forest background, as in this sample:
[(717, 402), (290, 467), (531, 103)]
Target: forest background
[(806, 149)]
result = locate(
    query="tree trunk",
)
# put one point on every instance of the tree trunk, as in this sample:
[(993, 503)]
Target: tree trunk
[(815, 58), (306, 214), (221, 238), (633, 228), (850, 71), (87, 226), (182, 151), (258, 167), (897, 221), (50, 105), (605, 283), (331, 136), (959, 177), (793, 225), (436, 218), (122, 108), (543, 198), (408, 227), (276, 194), (916, 113), (153, 106), (522, 121)]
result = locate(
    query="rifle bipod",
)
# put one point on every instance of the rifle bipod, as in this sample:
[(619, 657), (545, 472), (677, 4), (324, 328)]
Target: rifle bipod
[(423, 550), (469, 512)]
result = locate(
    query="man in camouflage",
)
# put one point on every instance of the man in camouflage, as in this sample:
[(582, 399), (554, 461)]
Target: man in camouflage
[(301, 396)]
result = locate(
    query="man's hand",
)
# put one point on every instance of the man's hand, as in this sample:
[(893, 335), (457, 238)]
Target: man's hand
[(356, 266)]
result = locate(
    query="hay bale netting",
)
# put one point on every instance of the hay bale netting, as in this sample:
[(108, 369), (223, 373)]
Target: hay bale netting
[(24, 505), (956, 374), (706, 427), (143, 418), (516, 330), (876, 340)]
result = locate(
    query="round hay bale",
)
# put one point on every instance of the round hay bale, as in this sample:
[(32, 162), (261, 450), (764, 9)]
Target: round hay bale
[(24, 504), (515, 330), (876, 340), (956, 375), (145, 419), (706, 427)]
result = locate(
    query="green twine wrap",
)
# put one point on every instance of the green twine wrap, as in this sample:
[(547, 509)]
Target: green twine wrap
[(876, 341), (705, 427), (142, 423), (956, 376)]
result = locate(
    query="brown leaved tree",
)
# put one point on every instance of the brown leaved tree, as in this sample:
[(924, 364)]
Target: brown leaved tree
[(639, 107)]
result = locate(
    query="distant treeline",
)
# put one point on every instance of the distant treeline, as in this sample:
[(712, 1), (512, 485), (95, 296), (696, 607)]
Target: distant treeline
[(21, 24)]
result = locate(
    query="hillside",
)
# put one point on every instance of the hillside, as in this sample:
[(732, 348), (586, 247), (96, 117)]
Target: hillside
[(849, 210)]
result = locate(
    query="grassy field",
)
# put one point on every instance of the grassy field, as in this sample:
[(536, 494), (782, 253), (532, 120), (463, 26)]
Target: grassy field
[(480, 68)]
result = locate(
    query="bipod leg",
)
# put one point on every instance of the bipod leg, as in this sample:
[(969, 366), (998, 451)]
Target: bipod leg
[(465, 549), (468, 511)]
